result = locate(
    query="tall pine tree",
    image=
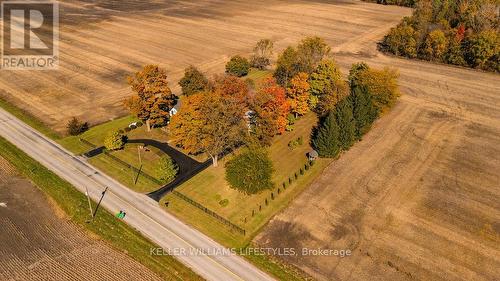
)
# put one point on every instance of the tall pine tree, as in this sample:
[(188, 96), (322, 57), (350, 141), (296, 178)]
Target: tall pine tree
[(363, 110), (325, 140), (346, 123)]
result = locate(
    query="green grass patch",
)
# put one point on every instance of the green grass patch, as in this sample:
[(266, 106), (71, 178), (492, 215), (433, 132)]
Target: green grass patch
[(29, 119), (210, 187), (129, 154), (118, 234), (257, 76)]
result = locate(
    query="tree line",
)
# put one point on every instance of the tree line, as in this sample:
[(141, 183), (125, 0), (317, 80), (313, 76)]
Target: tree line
[(464, 33)]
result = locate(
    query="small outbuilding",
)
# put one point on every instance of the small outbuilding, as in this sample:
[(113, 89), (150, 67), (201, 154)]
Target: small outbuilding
[(312, 155)]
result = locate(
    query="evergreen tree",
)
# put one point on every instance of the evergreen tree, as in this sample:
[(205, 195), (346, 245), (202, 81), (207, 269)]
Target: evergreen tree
[(363, 110), (325, 140), (346, 123)]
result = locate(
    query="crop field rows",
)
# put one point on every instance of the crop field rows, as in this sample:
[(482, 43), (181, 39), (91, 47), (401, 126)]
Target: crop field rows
[(38, 243), (102, 43)]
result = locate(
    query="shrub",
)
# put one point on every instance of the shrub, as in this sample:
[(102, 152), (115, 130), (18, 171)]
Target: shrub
[(250, 172), (127, 129), (139, 124), (194, 81), (225, 202), (238, 66), (167, 169), (76, 127), (114, 141)]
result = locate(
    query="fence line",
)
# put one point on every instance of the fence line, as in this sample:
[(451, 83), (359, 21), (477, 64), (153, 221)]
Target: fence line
[(88, 143), (209, 212), (123, 163)]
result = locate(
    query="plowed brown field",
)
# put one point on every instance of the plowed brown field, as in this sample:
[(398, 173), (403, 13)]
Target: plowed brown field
[(103, 41), (38, 244)]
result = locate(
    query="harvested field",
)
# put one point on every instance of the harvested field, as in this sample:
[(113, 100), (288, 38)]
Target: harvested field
[(39, 244), (103, 41), (417, 198)]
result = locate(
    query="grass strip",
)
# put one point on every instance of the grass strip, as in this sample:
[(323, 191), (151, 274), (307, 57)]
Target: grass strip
[(29, 119), (118, 234)]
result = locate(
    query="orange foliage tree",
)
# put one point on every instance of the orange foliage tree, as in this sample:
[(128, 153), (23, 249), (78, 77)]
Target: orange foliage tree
[(154, 98), (270, 107), (298, 94)]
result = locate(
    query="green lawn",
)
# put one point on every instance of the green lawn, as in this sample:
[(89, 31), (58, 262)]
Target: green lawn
[(258, 75), (118, 234), (128, 154), (210, 187)]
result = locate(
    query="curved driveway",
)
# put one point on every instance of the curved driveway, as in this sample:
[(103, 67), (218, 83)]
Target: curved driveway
[(143, 213)]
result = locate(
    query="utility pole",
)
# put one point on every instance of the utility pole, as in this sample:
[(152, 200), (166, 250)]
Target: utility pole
[(99, 203)]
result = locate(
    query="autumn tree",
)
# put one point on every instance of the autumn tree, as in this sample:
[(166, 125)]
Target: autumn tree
[(304, 58), (230, 86), (287, 66), (310, 52), (435, 45), (194, 81), (238, 66), (382, 84), (270, 109), (114, 141), (262, 53), (209, 122), (76, 127), (328, 86), (167, 169), (153, 100), (298, 94)]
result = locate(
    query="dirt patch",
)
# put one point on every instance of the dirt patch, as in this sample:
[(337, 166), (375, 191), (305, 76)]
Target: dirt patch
[(39, 245)]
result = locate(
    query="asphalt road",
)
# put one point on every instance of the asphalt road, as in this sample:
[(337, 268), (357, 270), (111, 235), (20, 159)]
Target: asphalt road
[(143, 213)]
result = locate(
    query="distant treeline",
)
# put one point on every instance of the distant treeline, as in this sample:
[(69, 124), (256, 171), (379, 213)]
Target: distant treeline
[(464, 33), (406, 3)]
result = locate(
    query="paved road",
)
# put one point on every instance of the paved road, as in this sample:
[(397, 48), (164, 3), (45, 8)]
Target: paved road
[(143, 213)]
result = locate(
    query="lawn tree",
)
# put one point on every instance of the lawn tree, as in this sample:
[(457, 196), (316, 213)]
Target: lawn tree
[(194, 81), (304, 58), (311, 51), (262, 53), (114, 141), (76, 127), (346, 123), (326, 137), (363, 110), (167, 169), (327, 86), (271, 108), (184, 126), (250, 172), (209, 122), (154, 100), (298, 94), (232, 87), (238, 66), (287, 66)]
